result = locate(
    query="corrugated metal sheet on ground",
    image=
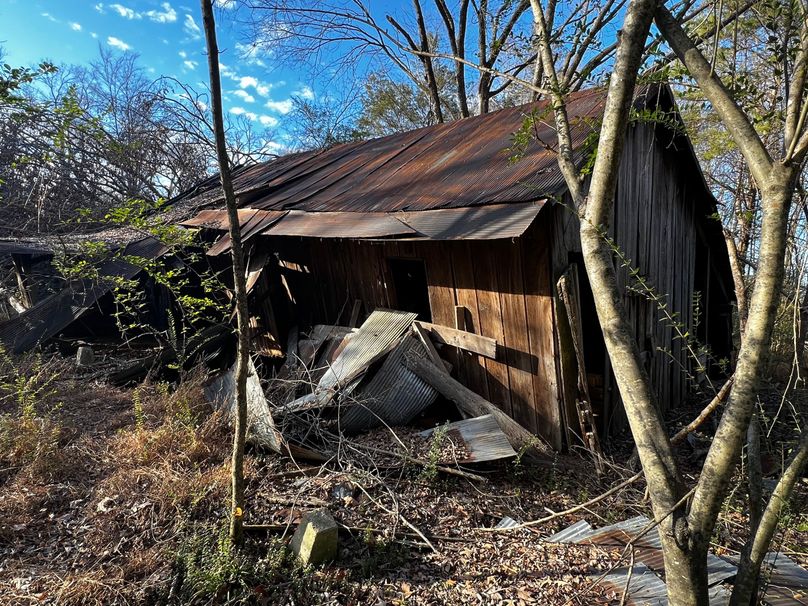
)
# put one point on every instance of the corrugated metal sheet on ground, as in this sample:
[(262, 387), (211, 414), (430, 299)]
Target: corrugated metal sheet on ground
[(476, 223), (644, 589), (508, 522), (483, 439), (53, 314), (378, 334), (648, 548), (787, 582), (451, 165), (394, 396), (340, 225)]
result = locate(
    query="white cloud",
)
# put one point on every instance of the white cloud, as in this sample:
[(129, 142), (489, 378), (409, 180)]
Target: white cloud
[(244, 95), (49, 17), (183, 54), (100, 7), (118, 43), (263, 89), (167, 15), (227, 72), (251, 53), (76, 27), (282, 107), (305, 92), (125, 11), (226, 4), (268, 120), (191, 28), (273, 147), (251, 116), (190, 64), (237, 111), (93, 34), (247, 81)]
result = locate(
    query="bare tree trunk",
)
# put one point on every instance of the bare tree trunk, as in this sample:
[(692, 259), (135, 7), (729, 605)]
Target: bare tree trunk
[(736, 266), (239, 280)]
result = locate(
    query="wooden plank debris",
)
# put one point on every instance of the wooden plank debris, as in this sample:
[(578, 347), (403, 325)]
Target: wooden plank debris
[(221, 393), (485, 346)]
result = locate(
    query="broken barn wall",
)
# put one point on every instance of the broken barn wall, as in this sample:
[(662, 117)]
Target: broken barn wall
[(504, 286)]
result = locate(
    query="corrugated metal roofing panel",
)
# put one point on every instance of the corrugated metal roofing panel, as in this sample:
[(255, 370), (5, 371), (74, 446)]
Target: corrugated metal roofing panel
[(456, 164), (482, 437), (252, 225), (475, 223), (339, 225), (217, 218), (378, 334), (394, 396), (649, 546), (787, 581), (18, 247), (644, 588)]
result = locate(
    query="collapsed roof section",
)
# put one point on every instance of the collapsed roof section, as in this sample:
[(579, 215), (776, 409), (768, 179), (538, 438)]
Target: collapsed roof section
[(53, 314)]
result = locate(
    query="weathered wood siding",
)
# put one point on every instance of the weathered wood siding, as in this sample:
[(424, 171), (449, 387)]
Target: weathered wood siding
[(659, 205), (503, 286)]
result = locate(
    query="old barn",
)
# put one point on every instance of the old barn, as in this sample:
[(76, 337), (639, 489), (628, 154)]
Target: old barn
[(457, 223)]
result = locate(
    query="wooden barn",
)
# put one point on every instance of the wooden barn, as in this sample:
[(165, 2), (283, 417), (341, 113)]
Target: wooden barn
[(446, 222)]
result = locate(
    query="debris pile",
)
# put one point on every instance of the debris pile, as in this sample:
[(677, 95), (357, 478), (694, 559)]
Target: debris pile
[(340, 381)]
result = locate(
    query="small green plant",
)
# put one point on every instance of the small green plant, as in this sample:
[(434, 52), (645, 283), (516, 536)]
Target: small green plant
[(210, 567), (430, 471)]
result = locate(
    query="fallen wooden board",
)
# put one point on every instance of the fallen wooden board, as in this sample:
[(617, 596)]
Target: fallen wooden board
[(484, 346), (475, 405)]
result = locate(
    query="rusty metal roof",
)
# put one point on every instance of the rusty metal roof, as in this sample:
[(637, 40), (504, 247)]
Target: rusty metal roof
[(340, 225), (475, 223), (456, 164), (253, 223)]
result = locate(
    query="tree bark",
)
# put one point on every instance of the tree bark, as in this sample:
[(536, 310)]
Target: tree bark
[(239, 280)]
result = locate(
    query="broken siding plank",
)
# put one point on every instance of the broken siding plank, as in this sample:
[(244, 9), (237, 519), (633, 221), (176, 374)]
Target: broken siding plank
[(486, 284)]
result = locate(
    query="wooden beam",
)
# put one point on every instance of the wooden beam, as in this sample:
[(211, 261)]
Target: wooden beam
[(476, 406), (485, 346)]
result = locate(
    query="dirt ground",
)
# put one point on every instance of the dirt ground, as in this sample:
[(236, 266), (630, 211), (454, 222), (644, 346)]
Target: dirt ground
[(112, 496)]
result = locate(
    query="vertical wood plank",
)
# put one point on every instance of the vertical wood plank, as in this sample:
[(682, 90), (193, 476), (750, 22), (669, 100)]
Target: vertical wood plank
[(486, 270), (471, 369)]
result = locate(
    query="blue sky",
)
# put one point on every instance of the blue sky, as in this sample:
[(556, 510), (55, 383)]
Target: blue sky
[(167, 37)]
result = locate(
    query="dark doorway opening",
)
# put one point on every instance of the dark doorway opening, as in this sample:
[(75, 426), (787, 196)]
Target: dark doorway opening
[(409, 282)]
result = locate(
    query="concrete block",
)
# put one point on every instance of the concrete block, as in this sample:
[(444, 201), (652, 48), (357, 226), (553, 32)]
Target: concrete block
[(315, 540), (85, 356)]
